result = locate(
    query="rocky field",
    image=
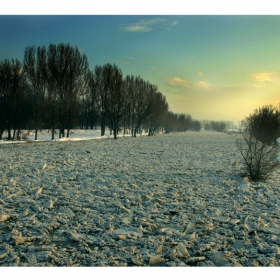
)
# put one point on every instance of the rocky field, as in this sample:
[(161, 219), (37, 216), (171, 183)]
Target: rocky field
[(169, 200)]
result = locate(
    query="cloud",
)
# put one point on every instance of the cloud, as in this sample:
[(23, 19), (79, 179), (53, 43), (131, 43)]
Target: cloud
[(125, 60), (147, 25), (201, 74), (121, 61), (129, 57), (178, 82), (202, 84), (137, 28), (144, 25), (264, 76), (153, 67)]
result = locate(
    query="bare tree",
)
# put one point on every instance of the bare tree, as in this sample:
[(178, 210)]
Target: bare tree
[(159, 111), (91, 99), (264, 124), (12, 89), (142, 103), (77, 76), (184, 122), (260, 159), (52, 88), (102, 96), (67, 71), (111, 95), (129, 102), (34, 67)]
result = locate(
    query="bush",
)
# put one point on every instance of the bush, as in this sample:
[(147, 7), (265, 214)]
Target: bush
[(260, 159), (264, 125)]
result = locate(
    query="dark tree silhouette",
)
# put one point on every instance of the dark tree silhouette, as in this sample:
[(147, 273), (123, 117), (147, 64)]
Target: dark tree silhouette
[(218, 126), (102, 96), (111, 96), (264, 124), (90, 101), (129, 103), (142, 103), (56, 89), (260, 159), (196, 125), (12, 90), (159, 111), (34, 67), (67, 71), (177, 122)]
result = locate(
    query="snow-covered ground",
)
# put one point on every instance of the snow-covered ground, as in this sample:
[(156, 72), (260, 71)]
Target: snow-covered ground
[(46, 135), (170, 200)]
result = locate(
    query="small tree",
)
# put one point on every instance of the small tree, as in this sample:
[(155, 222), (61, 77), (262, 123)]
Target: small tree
[(260, 159), (264, 124)]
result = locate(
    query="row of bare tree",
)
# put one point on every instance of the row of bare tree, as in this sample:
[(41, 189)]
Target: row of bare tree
[(54, 88)]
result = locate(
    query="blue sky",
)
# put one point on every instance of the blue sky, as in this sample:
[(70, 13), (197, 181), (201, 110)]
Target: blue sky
[(218, 67)]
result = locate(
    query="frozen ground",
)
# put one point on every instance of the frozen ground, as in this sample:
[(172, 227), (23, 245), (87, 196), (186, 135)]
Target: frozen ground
[(168, 200), (46, 135)]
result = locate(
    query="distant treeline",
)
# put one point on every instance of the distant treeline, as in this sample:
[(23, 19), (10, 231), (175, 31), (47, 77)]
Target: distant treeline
[(219, 126), (54, 88)]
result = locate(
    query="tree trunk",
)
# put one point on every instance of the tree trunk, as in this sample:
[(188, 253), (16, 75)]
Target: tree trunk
[(102, 126), (68, 126), (92, 119), (52, 124), (36, 119), (9, 130), (14, 134), (60, 122)]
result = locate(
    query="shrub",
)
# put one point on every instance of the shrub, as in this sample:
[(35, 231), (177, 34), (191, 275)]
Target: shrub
[(260, 159), (264, 124)]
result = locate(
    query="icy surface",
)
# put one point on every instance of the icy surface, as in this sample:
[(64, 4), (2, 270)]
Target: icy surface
[(167, 200), (46, 135)]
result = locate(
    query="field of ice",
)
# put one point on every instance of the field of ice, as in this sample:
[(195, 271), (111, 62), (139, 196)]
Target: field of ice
[(173, 199)]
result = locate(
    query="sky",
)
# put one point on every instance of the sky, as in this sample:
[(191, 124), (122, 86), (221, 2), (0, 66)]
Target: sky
[(213, 66)]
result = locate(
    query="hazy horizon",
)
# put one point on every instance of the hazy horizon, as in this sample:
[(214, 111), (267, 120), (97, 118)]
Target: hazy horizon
[(211, 67)]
